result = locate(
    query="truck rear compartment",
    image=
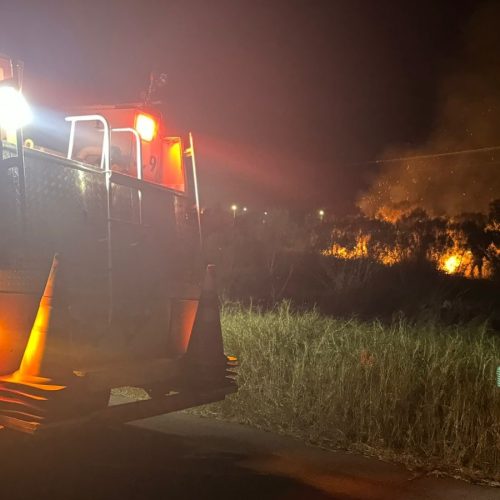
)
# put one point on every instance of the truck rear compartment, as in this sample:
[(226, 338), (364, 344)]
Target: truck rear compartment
[(122, 308)]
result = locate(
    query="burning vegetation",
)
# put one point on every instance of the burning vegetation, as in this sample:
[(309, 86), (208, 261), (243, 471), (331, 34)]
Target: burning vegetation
[(468, 245), (370, 267), (454, 171)]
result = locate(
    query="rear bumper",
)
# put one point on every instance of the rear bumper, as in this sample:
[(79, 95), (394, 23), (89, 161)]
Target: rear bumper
[(136, 410), (178, 385)]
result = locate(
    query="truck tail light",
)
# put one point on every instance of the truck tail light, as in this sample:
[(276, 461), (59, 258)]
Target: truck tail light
[(146, 126)]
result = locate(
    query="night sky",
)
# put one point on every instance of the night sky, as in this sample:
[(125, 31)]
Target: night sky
[(284, 97)]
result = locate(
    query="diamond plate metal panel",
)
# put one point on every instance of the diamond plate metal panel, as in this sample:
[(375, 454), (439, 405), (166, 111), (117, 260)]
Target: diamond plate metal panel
[(66, 213)]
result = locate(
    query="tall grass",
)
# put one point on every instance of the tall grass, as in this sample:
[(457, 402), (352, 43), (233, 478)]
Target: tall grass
[(422, 393)]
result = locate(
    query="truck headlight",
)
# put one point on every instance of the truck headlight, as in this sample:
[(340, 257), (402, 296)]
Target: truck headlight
[(14, 109)]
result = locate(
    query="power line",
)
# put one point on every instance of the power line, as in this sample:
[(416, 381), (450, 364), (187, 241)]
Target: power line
[(434, 155)]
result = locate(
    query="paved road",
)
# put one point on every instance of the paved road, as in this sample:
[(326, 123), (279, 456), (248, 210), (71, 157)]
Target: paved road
[(185, 457)]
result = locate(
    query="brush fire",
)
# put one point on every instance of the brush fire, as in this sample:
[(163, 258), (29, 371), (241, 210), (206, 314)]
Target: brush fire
[(467, 246)]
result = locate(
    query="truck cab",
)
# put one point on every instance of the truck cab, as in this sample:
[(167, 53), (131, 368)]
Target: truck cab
[(136, 132)]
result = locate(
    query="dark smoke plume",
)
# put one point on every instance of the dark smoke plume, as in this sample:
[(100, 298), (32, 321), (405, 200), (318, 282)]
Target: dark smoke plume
[(467, 118)]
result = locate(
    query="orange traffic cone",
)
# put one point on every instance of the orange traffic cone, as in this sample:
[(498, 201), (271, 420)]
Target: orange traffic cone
[(23, 394), (205, 346), (31, 363)]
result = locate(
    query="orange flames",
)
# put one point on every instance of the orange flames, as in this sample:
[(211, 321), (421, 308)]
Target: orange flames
[(463, 262), (359, 251), (451, 264), (457, 259)]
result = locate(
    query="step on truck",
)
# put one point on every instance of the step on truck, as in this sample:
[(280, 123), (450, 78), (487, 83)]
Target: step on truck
[(102, 281)]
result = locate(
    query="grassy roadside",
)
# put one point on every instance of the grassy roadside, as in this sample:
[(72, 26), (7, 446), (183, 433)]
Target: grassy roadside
[(423, 394)]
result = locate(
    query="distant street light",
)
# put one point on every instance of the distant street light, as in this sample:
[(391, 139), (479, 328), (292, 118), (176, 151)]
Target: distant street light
[(245, 209), (234, 208), (321, 214)]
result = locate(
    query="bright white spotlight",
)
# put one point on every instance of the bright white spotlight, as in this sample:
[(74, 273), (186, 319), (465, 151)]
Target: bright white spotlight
[(14, 109)]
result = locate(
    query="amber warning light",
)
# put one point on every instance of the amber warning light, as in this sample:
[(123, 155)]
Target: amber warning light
[(146, 126)]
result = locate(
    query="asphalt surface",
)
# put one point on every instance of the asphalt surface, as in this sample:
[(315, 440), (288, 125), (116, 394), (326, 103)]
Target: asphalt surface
[(180, 456)]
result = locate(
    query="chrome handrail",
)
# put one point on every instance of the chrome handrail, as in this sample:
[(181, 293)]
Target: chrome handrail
[(138, 148), (195, 183), (106, 141), (105, 166)]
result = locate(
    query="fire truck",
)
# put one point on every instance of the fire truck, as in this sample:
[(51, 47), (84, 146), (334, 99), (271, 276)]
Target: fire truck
[(102, 282)]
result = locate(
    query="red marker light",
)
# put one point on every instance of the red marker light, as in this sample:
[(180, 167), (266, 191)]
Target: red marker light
[(146, 127)]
